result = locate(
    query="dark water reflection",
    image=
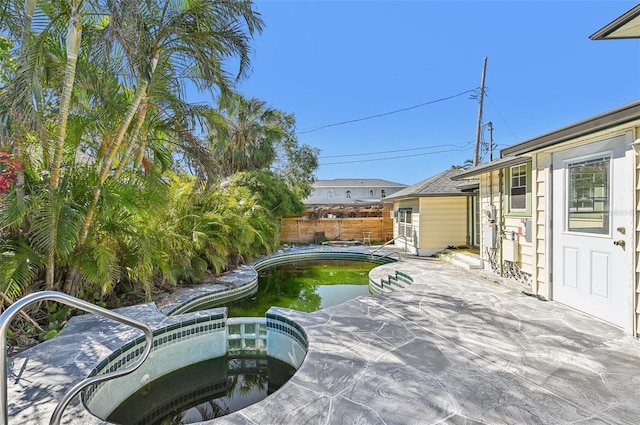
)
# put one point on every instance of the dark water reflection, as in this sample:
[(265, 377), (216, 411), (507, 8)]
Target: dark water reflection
[(203, 391)]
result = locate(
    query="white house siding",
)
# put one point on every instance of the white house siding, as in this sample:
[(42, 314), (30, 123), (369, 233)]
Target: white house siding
[(443, 223), (514, 225), (508, 226), (365, 190), (540, 192), (541, 197), (636, 324), (489, 195), (414, 204), (537, 257)]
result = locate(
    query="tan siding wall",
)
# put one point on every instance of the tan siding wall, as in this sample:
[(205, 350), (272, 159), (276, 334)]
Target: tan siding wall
[(637, 242), (443, 222), (539, 225)]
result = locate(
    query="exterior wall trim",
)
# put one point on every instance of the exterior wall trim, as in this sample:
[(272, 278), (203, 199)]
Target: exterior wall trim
[(589, 126)]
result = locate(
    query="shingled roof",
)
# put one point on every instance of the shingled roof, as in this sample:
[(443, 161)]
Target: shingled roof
[(439, 185)]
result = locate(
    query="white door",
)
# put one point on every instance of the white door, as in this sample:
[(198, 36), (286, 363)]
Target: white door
[(592, 229)]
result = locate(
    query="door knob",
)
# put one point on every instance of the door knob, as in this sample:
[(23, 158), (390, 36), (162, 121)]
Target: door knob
[(619, 243)]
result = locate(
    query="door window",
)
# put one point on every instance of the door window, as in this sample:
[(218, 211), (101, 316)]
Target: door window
[(588, 196)]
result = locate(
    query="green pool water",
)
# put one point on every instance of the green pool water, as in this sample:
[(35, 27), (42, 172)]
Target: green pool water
[(220, 386), (305, 286)]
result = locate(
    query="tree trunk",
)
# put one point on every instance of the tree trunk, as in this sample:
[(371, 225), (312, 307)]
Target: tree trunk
[(140, 159), (142, 113), (74, 36), (140, 94), (73, 46)]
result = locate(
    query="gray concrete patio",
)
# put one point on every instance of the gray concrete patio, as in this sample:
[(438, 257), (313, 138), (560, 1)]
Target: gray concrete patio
[(454, 348)]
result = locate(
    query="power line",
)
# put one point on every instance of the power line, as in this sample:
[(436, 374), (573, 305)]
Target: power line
[(459, 149), (381, 152), (385, 113), (503, 120)]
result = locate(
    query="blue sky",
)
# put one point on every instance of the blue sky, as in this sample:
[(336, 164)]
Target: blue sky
[(329, 62)]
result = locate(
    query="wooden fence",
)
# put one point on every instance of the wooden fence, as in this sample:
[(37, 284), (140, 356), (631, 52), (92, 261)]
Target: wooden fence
[(303, 230)]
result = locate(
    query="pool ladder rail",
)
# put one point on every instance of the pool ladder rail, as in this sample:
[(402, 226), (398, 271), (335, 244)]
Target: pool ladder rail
[(391, 241), (15, 308)]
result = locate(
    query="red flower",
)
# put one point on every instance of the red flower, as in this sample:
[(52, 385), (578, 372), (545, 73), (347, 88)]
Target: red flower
[(8, 177)]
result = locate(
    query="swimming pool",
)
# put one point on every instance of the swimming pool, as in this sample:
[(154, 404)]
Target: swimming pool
[(213, 335)]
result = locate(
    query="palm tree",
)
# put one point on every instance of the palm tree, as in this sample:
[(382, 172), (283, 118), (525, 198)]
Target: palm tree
[(247, 135), (468, 163), (173, 41), (119, 59), (244, 135), (25, 96)]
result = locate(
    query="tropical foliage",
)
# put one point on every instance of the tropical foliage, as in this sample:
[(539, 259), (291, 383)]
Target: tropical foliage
[(272, 193), (112, 181)]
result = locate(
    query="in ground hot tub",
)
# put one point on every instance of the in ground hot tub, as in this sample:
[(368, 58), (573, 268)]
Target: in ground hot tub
[(202, 361)]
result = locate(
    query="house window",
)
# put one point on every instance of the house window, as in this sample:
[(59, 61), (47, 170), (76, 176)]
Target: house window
[(588, 196), (370, 193), (383, 193), (518, 188), (330, 194), (348, 194), (404, 222)]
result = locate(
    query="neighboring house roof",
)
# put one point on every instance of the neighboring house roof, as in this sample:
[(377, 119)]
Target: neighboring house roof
[(496, 164), (439, 185), (625, 26), (352, 183), (615, 117)]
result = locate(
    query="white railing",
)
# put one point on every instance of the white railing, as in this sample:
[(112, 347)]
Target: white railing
[(390, 241), (15, 308)]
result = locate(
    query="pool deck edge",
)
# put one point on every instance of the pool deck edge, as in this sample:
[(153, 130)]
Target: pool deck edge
[(454, 347)]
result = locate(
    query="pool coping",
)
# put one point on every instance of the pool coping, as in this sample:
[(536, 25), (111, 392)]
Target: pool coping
[(494, 356)]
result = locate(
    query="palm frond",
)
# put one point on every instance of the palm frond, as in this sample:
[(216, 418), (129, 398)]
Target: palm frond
[(55, 227), (20, 265), (98, 266)]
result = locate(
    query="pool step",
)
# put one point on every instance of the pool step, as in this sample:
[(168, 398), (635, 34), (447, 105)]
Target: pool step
[(465, 260), (393, 282)]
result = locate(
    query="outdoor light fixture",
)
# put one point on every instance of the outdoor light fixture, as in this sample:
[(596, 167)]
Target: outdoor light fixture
[(636, 146)]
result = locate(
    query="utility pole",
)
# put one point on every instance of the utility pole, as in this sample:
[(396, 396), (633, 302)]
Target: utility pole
[(476, 156)]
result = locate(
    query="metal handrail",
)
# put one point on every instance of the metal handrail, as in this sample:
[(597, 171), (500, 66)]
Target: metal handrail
[(390, 254), (392, 240), (12, 310)]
